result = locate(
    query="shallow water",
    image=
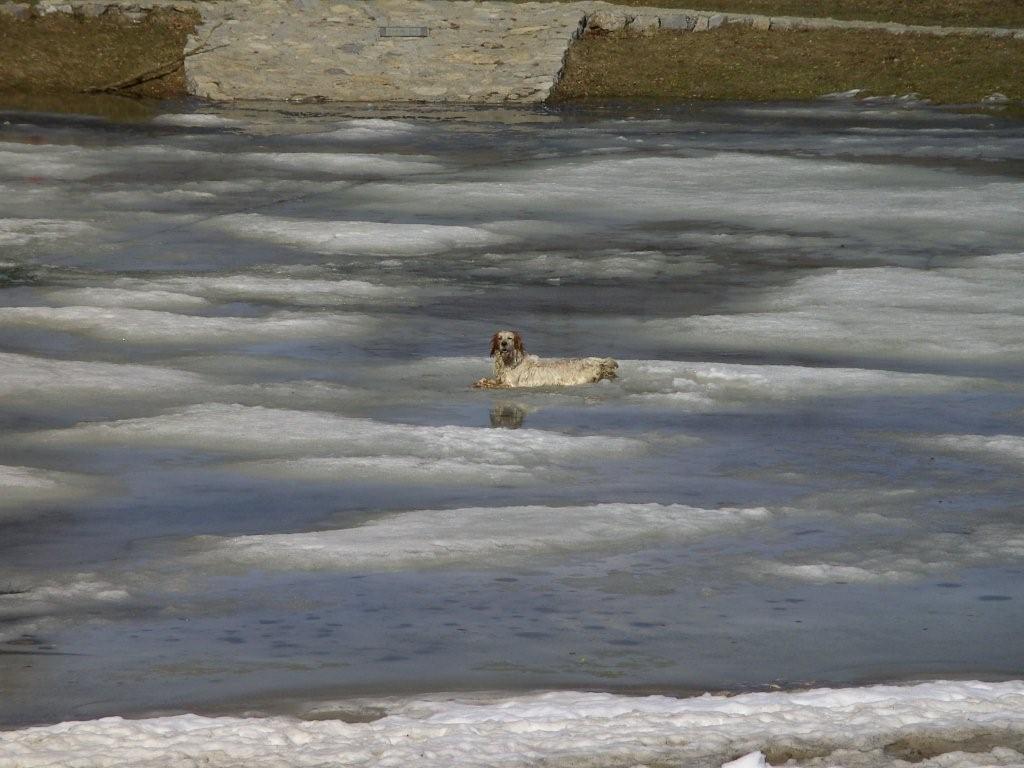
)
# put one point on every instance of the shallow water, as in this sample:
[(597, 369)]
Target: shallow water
[(240, 458)]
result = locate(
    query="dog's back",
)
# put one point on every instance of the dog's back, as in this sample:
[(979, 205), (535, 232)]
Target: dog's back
[(538, 372)]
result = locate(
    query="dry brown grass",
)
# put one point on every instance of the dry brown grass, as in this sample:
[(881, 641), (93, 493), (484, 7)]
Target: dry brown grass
[(973, 13), (62, 54), (735, 62)]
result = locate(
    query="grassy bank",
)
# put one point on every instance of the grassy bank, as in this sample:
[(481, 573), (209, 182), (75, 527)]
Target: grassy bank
[(736, 62), (61, 55), (968, 13)]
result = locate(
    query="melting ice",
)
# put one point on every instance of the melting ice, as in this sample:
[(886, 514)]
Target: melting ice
[(240, 457)]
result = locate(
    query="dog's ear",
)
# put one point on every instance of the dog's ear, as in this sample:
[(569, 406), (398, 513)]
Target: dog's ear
[(494, 345), (517, 342)]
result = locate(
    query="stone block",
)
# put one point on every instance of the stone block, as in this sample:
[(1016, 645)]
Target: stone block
[(763, 23), (16, 10), (680, 22), (714, 22), (91, 11), (644, 24), (702, 24), (603, 21)]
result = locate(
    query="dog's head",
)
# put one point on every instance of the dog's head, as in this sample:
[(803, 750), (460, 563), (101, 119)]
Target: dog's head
[(509, 345)]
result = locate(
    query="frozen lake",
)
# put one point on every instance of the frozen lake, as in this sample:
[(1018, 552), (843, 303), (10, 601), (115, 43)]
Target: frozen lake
[(241, 466)]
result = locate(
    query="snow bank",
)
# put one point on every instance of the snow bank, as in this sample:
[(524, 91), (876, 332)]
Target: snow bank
[(477, 535), (857, 727)]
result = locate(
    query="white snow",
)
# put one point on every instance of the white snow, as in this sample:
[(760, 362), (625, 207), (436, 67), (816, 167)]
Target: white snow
[(18, 231), (478, 535), (366, 129), (358, 237), (24, 488), (345, 164), (708, 386), (195, 120), (189, 291), (876, 204), (256, 431), (558, 266), (32, 378), (156, 327), (885, 312), (831, 727), (395, 470), (1001, 447), (906, 559), (125, 297)]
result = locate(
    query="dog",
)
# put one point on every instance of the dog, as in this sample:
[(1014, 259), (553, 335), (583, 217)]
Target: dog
[(514, 368)]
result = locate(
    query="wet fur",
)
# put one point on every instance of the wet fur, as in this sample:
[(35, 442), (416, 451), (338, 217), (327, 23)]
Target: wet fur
[(514, 368)]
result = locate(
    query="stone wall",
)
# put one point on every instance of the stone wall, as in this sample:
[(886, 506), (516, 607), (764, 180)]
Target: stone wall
[(415, 50)]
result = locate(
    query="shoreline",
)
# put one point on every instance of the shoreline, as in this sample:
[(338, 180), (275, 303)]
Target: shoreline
[(462, 53)]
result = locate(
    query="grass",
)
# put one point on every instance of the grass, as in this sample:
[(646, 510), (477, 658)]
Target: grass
[(973, 13), (62, 55), (738, 62)]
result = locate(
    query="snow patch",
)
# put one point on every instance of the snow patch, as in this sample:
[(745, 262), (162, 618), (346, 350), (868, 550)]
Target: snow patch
[(28, 231), (255, 431), (886, 312), (707, 386), (478, 535), (23, 488), (1002, 447), (843, 726), (358, 237), (155, 327), (905, 560)]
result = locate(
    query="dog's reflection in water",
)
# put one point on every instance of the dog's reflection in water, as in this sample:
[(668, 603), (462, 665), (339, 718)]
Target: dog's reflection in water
[(507, 416)]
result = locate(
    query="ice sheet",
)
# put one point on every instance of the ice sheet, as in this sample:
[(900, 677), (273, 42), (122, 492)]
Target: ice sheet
[(478, 535), (886, 312), (154, 327), (196, 120), (36, 382), (26, 488), (255, 431), (188, 291), (904, 559), (1003, 447), (358, 237), (348, 165), (30, 231), (710, 386), (27, 377), (908, 208), (857, 727)]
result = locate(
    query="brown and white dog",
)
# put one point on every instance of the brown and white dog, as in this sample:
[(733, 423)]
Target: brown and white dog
[(514, 368)]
